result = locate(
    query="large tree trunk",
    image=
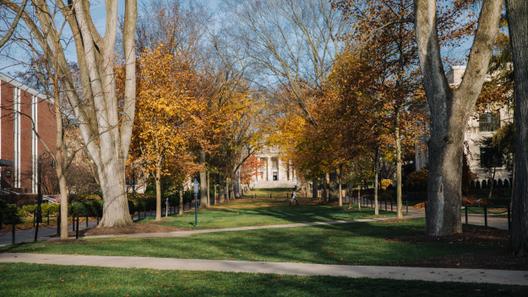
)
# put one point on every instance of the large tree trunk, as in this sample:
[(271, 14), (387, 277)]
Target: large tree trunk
[(444, 188), (376, 181), (399, 203), (180, 207), (157, 179), (115, 209), (340, 187), (208, 189), (450, 110), (518, 24)]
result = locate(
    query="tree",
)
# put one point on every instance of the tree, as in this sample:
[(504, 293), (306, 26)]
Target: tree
[(167, 114), (105, 117), (450, 110), (518, 24)]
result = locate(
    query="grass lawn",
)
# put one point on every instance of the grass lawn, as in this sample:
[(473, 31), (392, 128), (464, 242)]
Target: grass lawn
[(379, 243), (49, 280), (262, 212)]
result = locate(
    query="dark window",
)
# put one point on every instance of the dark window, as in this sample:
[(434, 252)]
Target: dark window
[(489, 121), (490, 157), (275, 176)]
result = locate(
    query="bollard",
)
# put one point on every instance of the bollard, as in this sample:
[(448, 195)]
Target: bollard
[(466, 213), (77, 229), (509, 217), (485, 216), (86, 221)]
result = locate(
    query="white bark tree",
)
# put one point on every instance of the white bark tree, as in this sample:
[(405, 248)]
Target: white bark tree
[(518, 27), (105, 121), (450, 110)]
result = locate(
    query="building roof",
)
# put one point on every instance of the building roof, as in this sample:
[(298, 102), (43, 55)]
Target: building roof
[(23, 87)]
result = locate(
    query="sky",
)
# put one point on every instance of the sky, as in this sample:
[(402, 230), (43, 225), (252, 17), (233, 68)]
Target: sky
[(11, 66)]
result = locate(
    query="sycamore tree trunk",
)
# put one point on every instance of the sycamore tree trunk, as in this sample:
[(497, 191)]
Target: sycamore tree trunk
[(359, 197), (340, 188), (157, 178), (376, 181), (397, 136), (518, 26), (450, 110), (180, 208), (208, 189)]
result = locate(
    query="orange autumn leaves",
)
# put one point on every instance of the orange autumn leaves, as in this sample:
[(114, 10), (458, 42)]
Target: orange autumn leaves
[(168, 115)]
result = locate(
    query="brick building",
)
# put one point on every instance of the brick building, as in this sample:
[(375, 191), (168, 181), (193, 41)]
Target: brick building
[(27, 130)]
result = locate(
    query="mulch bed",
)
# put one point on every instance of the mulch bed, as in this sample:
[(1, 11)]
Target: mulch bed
[(134, 228)]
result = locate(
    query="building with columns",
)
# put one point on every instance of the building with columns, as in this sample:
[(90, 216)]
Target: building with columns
[(273, 171), (27, 131)]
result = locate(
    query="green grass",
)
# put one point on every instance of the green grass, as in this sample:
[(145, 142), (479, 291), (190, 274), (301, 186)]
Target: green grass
[(49, 280), (238, 214), (380, 243), (265, 193)]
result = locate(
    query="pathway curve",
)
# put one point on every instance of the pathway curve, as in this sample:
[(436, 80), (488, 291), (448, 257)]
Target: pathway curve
[(501, 277), (246, 228)]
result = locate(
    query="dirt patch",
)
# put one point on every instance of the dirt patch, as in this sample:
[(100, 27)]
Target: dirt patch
[(134, 228)]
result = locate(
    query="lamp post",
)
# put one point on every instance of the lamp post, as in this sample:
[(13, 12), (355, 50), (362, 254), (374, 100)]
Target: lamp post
[(196, 187)]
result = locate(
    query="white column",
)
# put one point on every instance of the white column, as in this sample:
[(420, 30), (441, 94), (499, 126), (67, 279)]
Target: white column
[(269, 169), (34, 143)]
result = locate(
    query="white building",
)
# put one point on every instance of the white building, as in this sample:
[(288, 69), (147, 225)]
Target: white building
[(478, 128), (273, 171)]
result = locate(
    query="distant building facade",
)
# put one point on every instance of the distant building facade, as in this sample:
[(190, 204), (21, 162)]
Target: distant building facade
[(479, 127), (273, 171), (27, 130)]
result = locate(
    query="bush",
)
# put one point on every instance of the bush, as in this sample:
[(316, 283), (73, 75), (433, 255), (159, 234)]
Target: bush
[(417, 180), (10, 214), (78, 208), (51, 207), (27, 210)]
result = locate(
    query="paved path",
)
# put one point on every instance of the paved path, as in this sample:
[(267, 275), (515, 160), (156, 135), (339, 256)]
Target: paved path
[(502, 277), (247, 228), (45, 233)]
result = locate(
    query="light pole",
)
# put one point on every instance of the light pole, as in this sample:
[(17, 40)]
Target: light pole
[(196, 187)]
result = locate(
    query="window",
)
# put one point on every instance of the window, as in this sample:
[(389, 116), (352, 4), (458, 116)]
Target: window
[(275, 175), (490, 157), (489, 121)]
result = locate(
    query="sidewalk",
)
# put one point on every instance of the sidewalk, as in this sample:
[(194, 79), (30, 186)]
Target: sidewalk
[(489, 276), (247, 228), (45, 233)]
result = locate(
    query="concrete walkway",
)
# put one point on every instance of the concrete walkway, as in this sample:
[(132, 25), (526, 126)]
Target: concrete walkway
[(501, 277), (45, 233), (247, 228)]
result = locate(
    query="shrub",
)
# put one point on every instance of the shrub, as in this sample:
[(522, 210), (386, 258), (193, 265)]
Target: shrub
[(417, 180), (10, 214)]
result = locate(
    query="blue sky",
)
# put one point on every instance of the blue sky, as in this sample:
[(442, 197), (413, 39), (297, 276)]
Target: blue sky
[(10, 66)]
